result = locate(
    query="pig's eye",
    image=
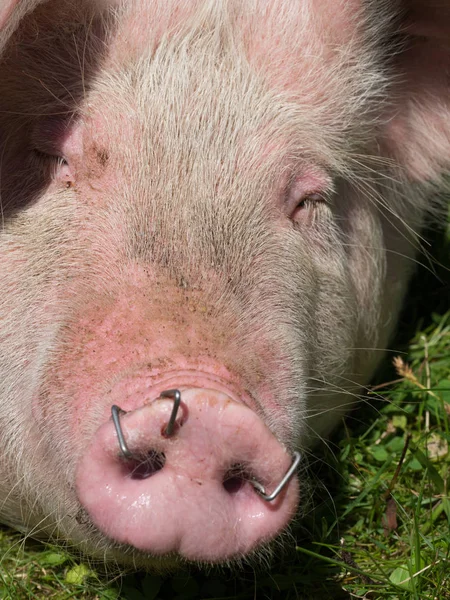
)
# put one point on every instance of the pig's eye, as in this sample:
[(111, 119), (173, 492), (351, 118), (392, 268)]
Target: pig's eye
[(55, 166), (305, 210), (307, 197), (50, 144), (47, 157)]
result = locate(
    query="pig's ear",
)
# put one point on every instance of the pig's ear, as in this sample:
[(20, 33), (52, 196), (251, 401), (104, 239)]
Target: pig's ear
[(417, 131), (11, 12)]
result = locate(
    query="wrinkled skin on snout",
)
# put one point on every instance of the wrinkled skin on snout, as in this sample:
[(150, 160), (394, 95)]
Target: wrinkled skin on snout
[(219, 198)]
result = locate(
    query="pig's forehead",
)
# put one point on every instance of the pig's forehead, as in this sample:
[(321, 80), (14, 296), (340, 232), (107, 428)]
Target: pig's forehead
[(271, 29), (313, 55)]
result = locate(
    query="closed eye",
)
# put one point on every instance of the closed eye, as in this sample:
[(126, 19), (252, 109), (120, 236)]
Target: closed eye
[(45, 156)]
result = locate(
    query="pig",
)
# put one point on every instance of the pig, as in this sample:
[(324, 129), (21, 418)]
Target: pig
[(209, 214)]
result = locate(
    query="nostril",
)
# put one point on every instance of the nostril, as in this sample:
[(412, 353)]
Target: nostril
[(235, 478), (233, 484), (146, 465)]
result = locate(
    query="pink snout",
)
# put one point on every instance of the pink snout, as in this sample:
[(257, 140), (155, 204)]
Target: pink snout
[(189, 493)]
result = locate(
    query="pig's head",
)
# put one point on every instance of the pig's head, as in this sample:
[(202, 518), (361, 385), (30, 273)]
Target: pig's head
[(216, 198)]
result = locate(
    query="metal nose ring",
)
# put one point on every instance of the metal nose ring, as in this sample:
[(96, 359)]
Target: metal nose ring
[(284, 481), (115, 412), (168, 431), (175, 394)]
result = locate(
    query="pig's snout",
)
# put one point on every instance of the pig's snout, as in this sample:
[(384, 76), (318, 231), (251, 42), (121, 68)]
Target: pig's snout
[(183, 478)]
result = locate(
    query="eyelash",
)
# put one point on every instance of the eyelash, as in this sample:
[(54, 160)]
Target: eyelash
[(314, 199), (44, 157), (307, 208)]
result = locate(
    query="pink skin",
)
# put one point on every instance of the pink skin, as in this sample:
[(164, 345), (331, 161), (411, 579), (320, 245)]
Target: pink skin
[(185, 507)]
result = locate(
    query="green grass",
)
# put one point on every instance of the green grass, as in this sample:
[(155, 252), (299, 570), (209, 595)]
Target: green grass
[(379, 522)]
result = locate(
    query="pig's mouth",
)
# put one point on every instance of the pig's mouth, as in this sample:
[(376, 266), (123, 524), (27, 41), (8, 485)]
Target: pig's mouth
[(193, 474)]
